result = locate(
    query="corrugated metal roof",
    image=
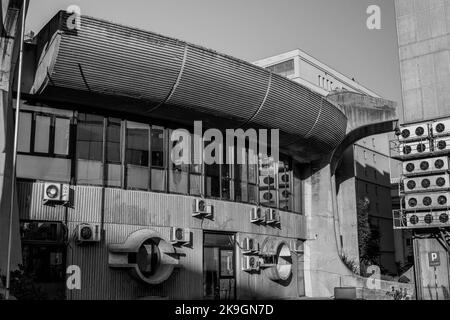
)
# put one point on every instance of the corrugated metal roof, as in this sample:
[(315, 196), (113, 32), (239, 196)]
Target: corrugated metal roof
[(168, 74)]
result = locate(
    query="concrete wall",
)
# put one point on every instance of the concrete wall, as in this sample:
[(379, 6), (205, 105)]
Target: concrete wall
[(423, 28), (434, 280)]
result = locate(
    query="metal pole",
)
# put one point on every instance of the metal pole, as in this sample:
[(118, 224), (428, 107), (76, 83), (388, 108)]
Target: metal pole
[(16, 131)]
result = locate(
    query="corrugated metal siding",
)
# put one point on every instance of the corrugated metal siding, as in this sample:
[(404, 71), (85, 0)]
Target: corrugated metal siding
[(123, 61), (128, 211)]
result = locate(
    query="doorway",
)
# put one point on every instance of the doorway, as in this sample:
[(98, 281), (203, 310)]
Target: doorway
[(219, 274)]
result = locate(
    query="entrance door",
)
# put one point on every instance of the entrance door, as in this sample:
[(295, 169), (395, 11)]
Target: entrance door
[(219, 278)]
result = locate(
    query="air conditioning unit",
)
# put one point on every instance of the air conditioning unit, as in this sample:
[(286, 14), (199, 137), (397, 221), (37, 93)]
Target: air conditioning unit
[(284, 179), (428, 219), (180, 235), (201, 209), (415, 148), (425, 166), (267, 196), (420, 131), (272, 216), (256, 214), (285, 194), (56, 192), (250, 263), (249, 245), (442, 144), (437, 182), (296, 245), (88, 232), (427, 200), (441, 127), (266, 182)]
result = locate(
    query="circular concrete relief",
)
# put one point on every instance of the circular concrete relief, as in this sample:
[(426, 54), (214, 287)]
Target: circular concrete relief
[(148, 256), (281, 269)]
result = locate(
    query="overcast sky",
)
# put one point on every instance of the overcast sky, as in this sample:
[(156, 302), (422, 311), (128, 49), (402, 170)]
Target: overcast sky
[(333, 31)]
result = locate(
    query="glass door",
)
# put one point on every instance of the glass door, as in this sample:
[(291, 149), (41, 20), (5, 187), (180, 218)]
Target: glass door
[(219, 278)]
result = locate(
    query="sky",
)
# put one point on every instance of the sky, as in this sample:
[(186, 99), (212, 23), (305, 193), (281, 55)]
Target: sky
[(333, 31)]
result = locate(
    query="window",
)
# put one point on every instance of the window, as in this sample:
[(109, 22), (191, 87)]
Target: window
[(157, 142), (137, 144), (137, 155), (113, 141), (43, 253), (24, 137), (157, 147), (62, 134), (178, 174), (90, 149), (285, 68), (195, 182), (90, 137), (43, 135)]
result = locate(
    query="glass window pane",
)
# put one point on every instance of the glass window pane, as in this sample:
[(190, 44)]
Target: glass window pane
[(157, 144), (42, 134), (113, 141), (24, 138), (90, 137), (62, 133), (137, 144)]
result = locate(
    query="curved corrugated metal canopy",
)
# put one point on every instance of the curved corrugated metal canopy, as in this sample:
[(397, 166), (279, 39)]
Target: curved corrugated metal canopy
[(168, 78)]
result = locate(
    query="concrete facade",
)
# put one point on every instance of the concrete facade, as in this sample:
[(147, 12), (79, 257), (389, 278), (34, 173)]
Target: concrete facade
[(423, 28)]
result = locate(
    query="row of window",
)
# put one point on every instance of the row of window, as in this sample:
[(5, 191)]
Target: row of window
[(120, 153), (325, 83)]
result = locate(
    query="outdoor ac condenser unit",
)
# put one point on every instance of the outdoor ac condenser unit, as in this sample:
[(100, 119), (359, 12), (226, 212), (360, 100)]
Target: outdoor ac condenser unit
[(430, 183), (441, 127), (427, 200), (420, 131)]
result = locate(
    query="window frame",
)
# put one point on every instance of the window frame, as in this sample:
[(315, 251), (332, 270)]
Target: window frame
[(51, 139)]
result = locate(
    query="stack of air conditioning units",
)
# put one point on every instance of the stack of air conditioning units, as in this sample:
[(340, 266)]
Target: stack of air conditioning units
[(250, 255), (426, 180), (284, 188), (267, 182)]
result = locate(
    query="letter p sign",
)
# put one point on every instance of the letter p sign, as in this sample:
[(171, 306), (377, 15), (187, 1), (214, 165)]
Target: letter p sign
[(434, 259)]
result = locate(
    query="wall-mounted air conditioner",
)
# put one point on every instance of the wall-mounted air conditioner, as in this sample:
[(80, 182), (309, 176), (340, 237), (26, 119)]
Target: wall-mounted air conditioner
[(266, 182), (428, 219), (284, 179), (425, 166), (202, 209), (87, 232), (267, 196), (272, 216), (250, 263), (249, 245), (427, 200), (415, 148), (441, 127), (285, 194), (256, 214), (56, 192), (420, 131), (296, 245), (442, 144), (437, 182), (180, 235)]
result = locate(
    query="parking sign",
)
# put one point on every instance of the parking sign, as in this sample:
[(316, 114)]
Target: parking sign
[(434, 259)]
